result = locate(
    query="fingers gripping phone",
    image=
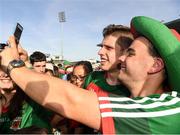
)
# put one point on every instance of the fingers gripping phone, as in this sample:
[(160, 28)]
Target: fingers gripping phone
[(18, 32)]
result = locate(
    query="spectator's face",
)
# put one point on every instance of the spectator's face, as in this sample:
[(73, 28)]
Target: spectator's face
[(136, 63), (6, 84), (39, 66), (79, 75), (109, 53)]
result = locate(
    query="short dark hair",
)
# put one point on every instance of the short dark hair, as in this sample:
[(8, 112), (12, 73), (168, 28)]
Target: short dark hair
[(124, 42), (123, 33), (108, 30), (86, 65), (37, 57), (152, 50), (154, 53)]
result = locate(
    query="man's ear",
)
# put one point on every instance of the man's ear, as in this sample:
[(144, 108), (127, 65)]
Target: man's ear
[(157, 66)]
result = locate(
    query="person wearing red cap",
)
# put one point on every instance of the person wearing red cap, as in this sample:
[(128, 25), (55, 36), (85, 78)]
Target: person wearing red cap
[(145, 67)]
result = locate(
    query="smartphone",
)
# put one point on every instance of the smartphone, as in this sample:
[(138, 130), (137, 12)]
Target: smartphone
[(18, 32)]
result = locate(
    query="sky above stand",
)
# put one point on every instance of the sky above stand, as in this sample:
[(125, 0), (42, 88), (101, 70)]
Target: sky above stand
[(85, 20)]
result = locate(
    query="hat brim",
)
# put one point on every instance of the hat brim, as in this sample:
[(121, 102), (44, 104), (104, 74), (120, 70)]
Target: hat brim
[(165, 43)]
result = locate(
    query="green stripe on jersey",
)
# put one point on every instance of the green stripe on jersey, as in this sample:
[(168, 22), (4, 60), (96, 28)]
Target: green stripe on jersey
[(99, 79), (153, 114)]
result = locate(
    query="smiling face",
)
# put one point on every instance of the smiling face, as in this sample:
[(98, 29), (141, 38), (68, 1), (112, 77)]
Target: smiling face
[(109, 53), (79, 74), (5, 82), (137, 62)]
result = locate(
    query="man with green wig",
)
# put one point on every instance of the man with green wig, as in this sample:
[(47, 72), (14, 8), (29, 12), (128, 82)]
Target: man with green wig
[(150, 69)]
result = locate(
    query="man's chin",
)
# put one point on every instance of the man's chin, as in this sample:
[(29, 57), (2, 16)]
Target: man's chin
[(104, 67)]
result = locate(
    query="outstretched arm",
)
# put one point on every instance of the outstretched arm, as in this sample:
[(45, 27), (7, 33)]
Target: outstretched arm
[(53, 93)]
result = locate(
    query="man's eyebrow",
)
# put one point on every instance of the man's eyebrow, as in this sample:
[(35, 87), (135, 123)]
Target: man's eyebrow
[(99, 45), (130, 50), (106, 45)]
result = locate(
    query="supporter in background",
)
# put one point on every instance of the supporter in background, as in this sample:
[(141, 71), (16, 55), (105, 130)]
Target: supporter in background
[(38, 61), (61, 71), (49, 69), (80, 71), (117, 38), (68, 68), (56, 71)]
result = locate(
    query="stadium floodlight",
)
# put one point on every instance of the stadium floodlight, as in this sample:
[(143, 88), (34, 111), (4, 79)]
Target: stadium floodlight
[(62, 19)]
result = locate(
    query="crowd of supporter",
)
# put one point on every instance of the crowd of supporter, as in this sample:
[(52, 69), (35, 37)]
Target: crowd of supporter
[(21, 115), (21, 112)]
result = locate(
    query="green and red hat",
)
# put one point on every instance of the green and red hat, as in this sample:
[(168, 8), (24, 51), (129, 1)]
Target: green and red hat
[(166, 43)]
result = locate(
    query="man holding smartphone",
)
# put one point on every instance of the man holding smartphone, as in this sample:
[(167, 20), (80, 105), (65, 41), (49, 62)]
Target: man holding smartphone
[(150, 111)]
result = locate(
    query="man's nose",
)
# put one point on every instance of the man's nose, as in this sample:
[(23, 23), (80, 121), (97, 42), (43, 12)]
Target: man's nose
[(42, 69), (122, 58), (101, 51)]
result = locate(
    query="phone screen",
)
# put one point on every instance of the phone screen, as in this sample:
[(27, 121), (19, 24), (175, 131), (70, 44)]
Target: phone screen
[(18, 32)]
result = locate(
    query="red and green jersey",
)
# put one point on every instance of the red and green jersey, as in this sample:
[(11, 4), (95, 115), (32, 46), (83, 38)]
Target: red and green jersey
[(96, 81), (32, 114), (155, 114)]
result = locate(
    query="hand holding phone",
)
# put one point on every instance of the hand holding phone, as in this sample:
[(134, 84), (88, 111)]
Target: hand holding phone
[(17, 35), (18, 32)]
